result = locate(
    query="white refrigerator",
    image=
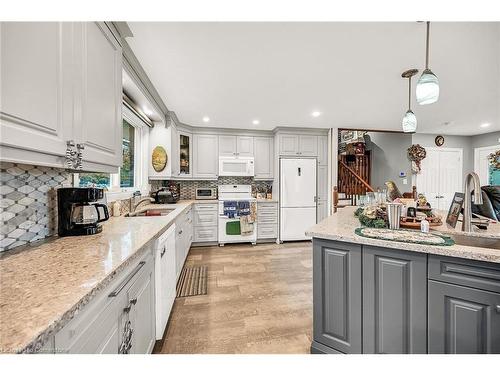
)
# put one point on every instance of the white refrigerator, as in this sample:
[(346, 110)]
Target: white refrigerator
[(297, 198)]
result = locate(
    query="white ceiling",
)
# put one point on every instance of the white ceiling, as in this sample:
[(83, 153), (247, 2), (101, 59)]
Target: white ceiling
[(280, 72)]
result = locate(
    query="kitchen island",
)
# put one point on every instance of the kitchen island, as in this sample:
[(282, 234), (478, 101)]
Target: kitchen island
[(378, 296)]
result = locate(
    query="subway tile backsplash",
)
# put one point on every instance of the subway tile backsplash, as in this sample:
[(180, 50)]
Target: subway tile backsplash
[(188, 187), (28, 207)]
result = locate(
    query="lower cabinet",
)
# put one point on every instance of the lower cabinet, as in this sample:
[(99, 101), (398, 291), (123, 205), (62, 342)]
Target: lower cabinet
[(463, 320), (183, 238), (337, 296), (267, 220), (394, 301), (120, 320), (206, 217)]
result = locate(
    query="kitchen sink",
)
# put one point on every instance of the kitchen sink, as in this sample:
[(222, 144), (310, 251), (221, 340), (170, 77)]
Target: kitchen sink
[(489, 243), (151, 212)]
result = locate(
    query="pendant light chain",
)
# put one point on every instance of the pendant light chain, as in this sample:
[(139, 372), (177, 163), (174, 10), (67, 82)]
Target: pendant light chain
[(409, 93), (427, 46)]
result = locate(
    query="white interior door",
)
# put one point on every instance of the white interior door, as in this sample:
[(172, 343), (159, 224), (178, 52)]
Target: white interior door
[(481, 164), (441, 176)]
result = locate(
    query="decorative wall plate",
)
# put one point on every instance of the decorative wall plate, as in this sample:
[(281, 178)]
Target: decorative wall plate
[(439, 141), (159, 159)]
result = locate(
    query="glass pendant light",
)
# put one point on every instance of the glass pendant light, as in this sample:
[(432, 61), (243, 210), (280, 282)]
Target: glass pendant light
[(409, 120), (428, 84)]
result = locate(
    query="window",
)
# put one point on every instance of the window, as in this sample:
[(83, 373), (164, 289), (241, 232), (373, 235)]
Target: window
[(128, 152), (133, 175)]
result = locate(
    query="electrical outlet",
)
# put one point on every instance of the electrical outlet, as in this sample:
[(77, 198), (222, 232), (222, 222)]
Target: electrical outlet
[(405, 181)]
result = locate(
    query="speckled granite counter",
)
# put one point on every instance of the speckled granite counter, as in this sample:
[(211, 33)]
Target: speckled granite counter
[(341, 226), (42, 287)]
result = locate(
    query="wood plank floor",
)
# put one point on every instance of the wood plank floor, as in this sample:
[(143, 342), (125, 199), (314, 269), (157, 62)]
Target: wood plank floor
[(259, 301)]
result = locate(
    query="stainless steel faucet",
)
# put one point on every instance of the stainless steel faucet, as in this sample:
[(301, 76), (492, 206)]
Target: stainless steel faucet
[(478, 199), (134, 205)]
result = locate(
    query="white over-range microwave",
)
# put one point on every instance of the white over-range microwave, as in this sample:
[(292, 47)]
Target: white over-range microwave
[(236, 166)]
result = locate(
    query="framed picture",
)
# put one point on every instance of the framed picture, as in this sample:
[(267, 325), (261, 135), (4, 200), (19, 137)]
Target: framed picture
[(455, 208)]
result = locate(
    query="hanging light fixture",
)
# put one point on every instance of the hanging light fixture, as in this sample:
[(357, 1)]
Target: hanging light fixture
[(409, 120), (428, 84)]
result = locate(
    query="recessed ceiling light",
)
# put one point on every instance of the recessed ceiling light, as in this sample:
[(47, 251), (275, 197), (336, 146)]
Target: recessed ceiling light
[(485, 125), (316, 114), (206, 119), (256, 122)]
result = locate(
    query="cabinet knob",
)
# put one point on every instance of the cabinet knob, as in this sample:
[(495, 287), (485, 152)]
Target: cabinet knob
[(497, 308)]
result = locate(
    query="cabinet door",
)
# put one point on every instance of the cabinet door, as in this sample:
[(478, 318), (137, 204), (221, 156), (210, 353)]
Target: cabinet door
[(185, 154), (36, 106), (337, 295), (322, 210), (323, 183), (142, 313), (394, 301), (227, 145), (100, 126), (263, 157), (206, 163), (322, 150), (463, 320), (308, 145), (244, 146), (289, 144)]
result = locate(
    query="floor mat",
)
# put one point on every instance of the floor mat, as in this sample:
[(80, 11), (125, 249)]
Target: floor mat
[(192, 281)]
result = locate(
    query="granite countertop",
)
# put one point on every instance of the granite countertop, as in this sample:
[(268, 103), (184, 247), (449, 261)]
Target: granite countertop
[(341, 225), (43, 286)]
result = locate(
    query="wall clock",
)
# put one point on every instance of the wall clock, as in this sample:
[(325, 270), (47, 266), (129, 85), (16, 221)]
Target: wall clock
[(439, 140), (159, 159)]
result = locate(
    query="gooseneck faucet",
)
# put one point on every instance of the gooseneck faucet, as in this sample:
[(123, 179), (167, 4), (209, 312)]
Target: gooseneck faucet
[(471, 178)]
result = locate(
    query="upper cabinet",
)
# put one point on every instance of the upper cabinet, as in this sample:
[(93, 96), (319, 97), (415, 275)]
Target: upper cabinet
[(185, 142), (60, 82), (263, 158), (36, 110), (298, 145), (205, 152), (100, 128), (232, 145)]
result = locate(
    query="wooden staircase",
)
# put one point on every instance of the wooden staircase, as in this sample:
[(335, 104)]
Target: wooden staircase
[(353, 180)]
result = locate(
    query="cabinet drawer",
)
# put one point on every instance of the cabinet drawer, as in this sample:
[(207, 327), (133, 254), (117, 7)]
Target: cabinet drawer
[(205, 234), (476, 274), (267, 220), (267, 231), (267, 211), (202, 218), (206, 207)]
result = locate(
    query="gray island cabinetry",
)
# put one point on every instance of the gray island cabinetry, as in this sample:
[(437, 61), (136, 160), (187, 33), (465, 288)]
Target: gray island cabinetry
[(372, 299)]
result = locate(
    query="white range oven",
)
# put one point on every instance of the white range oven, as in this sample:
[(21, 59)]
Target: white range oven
[(231, 229), (236, 166)]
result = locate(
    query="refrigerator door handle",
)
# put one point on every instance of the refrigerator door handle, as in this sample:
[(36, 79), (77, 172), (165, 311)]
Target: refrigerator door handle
[(299, 171)]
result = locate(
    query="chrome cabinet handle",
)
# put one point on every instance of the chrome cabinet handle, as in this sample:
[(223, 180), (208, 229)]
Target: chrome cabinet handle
[(120, 287), (131, 303), (163, 252), (180, 232), (497, 308)]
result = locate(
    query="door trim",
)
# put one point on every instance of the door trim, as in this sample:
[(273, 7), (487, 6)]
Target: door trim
[(477, 150)]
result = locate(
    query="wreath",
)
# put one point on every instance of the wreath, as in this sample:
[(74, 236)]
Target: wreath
[(494, 159), (416, 154)]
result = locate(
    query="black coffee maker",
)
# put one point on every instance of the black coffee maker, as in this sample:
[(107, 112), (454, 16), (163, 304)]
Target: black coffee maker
[(77, 214)]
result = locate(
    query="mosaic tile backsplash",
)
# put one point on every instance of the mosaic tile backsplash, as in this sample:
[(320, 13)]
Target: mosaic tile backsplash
[(188, 188), (28, 203)]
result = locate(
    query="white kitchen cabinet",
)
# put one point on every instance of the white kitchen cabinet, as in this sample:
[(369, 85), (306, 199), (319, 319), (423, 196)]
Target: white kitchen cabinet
[(206, 217), (289, 144), (264, 158), (100, 326), (184, 154), (36, 106), (245, 146), (267, 220), (60, 82), (142, 314), (322, 187), (227, 145), (183, 238), (205, 155), (322, 150), (298, 145), (232, 145), (99, 94), (321, 211), (308, 145)]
